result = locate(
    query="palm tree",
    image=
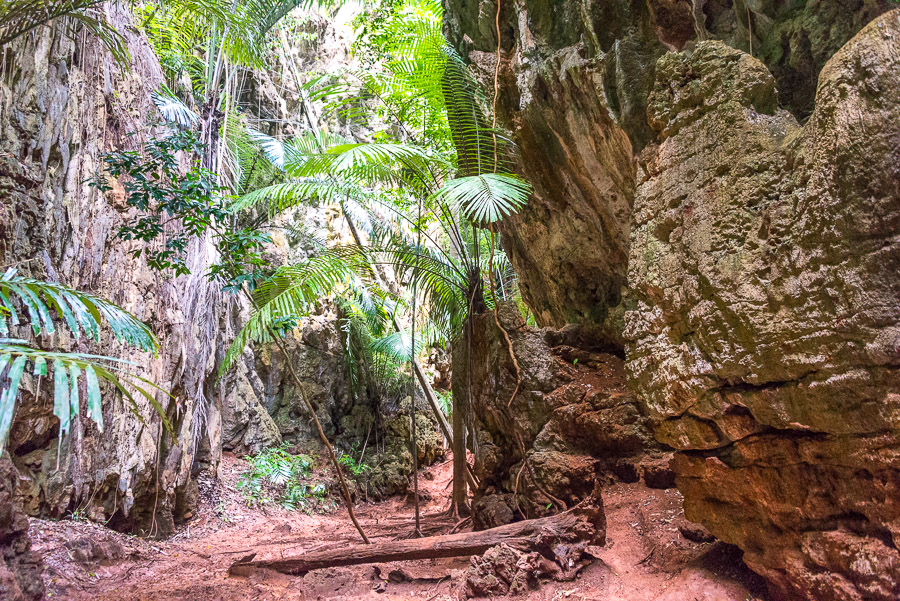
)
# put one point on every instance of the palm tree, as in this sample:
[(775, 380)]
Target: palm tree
[(424, 205)]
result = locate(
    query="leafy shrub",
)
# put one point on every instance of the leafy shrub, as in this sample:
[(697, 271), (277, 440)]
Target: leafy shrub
[(278, 477), (161, 193), (356, 468)]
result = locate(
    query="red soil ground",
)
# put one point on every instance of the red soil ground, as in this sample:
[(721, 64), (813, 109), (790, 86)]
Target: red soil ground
[(647, 558)]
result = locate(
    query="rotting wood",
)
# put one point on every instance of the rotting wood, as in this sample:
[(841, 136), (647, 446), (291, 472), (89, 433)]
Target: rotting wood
[(561, 538)]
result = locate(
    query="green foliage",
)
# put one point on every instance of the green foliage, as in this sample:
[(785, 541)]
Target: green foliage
[(446, 400), (454, 166), (162, 195), (356, 468), (79, 311), (488, 197), (47, 307), (292, 291), (278, 477)]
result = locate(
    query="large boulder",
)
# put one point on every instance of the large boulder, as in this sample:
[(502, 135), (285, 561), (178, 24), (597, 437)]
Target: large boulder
[(765, 339)]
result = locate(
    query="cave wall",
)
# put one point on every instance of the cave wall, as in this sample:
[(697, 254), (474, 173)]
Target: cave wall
[(757, 207)]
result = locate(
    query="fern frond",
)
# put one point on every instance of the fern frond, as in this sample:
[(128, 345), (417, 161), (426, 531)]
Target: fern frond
[(292, 292)]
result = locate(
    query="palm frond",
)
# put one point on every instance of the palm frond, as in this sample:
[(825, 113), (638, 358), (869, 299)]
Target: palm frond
[(35, 302), (174, 110), (488, 197), (292, 293), (68, 371)]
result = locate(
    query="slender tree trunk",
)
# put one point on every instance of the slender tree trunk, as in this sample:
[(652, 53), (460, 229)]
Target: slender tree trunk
[(460, 503), (417, 369), (345, 491)]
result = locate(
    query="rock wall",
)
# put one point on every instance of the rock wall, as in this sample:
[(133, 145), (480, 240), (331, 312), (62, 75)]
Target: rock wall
[(574, 84), (573, 418), (766, 336), (63, 103), (20, 568), (760, 313)]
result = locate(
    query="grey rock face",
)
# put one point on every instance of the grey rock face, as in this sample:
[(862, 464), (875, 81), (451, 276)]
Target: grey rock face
[(61, 106)]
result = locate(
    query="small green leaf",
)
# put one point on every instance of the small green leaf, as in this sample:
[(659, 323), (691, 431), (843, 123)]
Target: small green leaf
[(95, 408), (61, 395), (34, 312), (7, 304), (63, 310)]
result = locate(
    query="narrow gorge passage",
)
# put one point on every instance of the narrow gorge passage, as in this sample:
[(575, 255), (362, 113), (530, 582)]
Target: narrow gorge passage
[(654, 553), (450, 299)]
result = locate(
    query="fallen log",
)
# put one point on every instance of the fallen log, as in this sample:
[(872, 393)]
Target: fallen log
[(561, 538)]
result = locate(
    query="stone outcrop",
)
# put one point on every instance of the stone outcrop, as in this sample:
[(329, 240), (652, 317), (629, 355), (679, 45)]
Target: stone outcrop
[(766, 331), (574, 83), (573, 417), (760, 312), (20, 568)]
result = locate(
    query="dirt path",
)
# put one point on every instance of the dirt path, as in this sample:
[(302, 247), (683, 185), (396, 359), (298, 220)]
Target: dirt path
[(647, 557)]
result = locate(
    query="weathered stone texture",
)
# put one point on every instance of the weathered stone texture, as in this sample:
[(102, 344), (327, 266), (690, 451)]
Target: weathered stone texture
[(766, 331), (20, 568), (62, 104), (762, 291), (574, 84), (573, 417)]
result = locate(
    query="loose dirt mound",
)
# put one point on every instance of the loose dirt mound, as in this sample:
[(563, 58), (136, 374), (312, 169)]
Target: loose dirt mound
[(647, 556)]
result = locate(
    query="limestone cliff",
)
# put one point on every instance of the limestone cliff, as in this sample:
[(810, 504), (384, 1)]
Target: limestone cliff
[(62, 104), (766, 335), (574, 84), (747, 189)]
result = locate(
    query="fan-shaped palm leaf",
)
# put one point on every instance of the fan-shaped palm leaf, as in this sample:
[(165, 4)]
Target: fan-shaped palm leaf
[(488, 197), (174, 110)]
